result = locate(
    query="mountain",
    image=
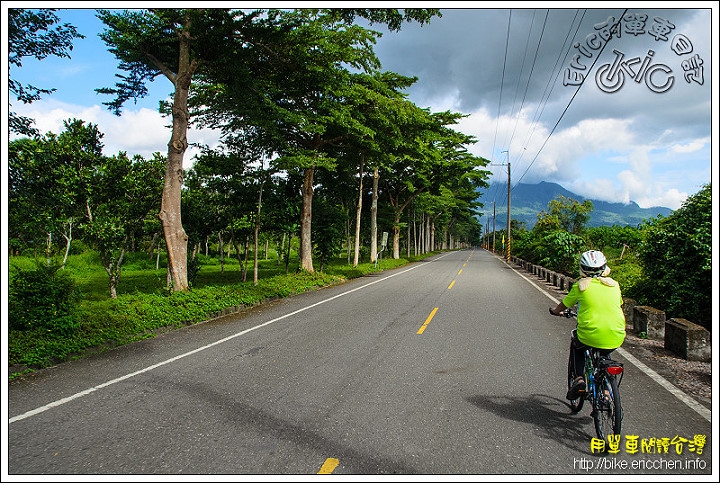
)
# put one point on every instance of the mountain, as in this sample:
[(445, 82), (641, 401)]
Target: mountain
[(527, 200)]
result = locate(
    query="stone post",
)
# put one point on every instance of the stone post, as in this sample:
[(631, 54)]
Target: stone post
[(649, 320)]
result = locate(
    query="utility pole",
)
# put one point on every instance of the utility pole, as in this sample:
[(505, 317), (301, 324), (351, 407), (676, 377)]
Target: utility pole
[(507, 162), (508, 213), (487, 235), (493, 226)]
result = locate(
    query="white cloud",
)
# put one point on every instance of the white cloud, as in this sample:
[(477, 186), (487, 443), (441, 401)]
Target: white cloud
[(672, 199), (690, 147), (141, 131), (603, 189), (629, 185)]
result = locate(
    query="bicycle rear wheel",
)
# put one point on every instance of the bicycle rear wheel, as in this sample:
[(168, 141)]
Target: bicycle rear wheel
[(607, 412), (575, 404)]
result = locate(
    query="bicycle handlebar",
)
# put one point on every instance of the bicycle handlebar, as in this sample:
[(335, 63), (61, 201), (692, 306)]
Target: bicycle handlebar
[(568, 313)]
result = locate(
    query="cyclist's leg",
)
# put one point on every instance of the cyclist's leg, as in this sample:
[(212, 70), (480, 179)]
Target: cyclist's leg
[(576, 366), (577, 353)]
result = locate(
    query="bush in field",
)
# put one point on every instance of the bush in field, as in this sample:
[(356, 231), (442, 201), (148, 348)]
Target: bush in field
[(555, 250), (43, 298), (676, 256)]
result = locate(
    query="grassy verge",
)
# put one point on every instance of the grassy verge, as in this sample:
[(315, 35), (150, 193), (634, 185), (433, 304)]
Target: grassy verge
[(145, 308)]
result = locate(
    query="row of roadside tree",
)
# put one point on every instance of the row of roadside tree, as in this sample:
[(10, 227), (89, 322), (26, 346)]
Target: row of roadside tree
[(312, 130)]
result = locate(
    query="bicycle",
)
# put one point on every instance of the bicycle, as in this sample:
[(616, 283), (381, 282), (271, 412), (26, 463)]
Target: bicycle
[(602, 378)]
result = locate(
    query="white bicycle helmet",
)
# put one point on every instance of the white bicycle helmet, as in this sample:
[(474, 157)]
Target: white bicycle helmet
[(592, 263)]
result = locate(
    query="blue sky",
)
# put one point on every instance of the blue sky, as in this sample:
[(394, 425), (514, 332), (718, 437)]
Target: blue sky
[(503, 67)]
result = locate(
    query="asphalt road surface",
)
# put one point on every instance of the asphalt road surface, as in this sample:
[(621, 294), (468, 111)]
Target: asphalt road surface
[(449, 366)]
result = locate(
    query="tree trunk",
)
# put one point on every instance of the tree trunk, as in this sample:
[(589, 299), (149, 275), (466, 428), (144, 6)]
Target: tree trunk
[(358, 213), (68, 240), (170, 216), (407, 237), (428, 235), (281, 251), (256, 236), (373, 216), (396, 236), (245, 258), (306, 262), (432, 234), (113, 270), (48, 248), (415, 235), (151, 250), (221, 248), (113, 287)]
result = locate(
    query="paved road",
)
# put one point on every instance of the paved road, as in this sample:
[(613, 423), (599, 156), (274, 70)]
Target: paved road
[(448, 366)]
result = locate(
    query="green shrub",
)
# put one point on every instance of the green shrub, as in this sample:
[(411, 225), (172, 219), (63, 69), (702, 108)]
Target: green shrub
[(43, 298), (676, 255), (628, 273)]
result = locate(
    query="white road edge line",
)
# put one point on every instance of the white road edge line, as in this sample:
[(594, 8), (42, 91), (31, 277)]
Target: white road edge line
[(80, 394), (689, 401)]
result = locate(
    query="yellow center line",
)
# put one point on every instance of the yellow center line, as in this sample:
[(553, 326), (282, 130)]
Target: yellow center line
[(329, 466), (460, 271), (427, 321), (451, 284)]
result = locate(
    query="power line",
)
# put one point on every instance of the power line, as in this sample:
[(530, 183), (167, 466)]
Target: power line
[(550, 85), (613, 29), (532, 69)]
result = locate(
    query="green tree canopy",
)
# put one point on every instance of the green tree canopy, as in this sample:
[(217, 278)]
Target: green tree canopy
[(34, 33), (565, 214)]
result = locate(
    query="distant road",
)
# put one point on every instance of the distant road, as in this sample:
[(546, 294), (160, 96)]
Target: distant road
[(447, 366)]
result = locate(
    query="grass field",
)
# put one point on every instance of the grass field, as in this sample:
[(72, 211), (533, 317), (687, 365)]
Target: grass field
[(144, 306)]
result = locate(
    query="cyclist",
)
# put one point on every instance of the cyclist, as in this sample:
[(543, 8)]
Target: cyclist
[(600, 318)]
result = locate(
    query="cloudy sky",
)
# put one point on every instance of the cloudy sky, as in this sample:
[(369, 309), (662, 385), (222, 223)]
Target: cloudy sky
[(526, 78)]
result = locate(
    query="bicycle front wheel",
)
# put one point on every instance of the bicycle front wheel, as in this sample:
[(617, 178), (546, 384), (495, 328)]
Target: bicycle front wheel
[(607, 412)]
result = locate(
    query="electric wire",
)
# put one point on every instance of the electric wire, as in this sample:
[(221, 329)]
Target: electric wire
[(532, 69), (613, 29), (544, 103), (557, 69), (502, 83)]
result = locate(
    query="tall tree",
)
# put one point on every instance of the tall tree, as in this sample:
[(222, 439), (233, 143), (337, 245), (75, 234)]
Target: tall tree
[(176, 44), (32, 195), (34, 33), (386, 103)]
